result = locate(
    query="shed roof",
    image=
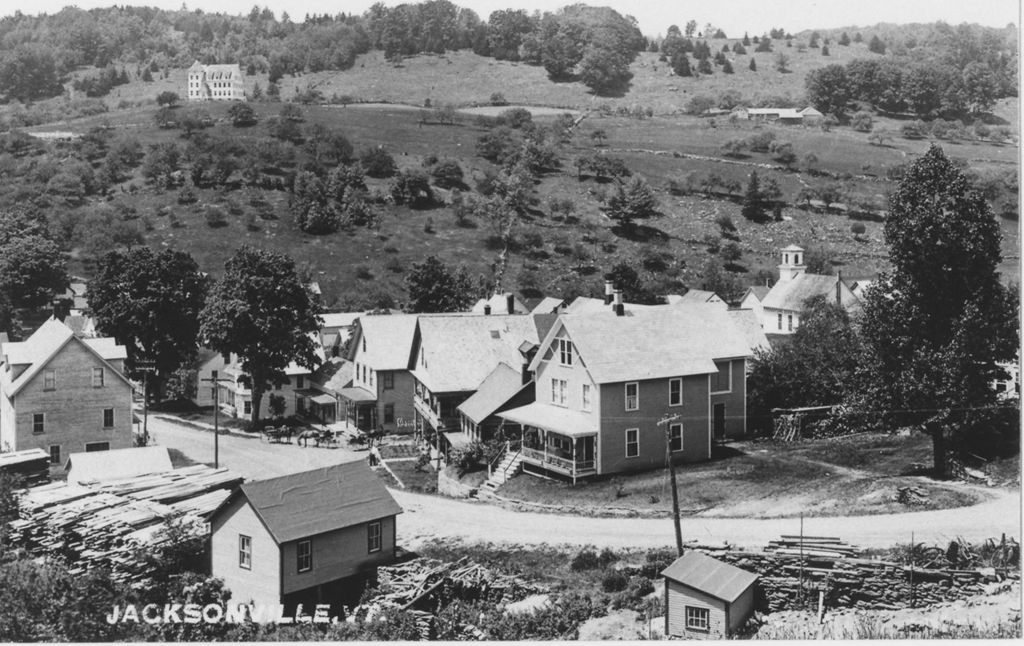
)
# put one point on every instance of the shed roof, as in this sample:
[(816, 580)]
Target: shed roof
[(98, 466), (460, 351), (710, 576), (388, 340), (305, 504), (652, 343), (499, 386), (792, 294), (20, 457)]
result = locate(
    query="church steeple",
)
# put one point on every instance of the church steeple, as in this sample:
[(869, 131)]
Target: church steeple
[(792, 264)]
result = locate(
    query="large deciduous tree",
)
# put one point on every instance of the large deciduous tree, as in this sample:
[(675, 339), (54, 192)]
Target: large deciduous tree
[(433, 287), (828, 89), (936, 324), (261, 311), (32, 266), (150, 302)]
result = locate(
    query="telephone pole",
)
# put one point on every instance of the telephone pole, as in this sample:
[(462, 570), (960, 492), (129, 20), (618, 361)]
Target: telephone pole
[(216, 418), (145, 367), (666, 422)]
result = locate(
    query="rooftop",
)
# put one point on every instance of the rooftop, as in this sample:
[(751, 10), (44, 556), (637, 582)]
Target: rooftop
[(793, 294), (388, 340), (710, 576), (499, 386)]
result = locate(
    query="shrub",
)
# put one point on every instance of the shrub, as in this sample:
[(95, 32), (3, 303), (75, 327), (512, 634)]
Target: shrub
[(394, 265), (378, 162), (187, 195), (725, 223), (585, 559), (614, 582), (363, 272), (447, 174), (498, 99), (515, 118), (858, 228), (862, 122), (215, 217), (468, 458)]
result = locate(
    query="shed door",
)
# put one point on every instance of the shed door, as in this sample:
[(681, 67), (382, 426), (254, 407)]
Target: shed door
[(718, 421)]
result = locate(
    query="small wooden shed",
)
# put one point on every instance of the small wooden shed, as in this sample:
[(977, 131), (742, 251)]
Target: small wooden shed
[(706, 598)]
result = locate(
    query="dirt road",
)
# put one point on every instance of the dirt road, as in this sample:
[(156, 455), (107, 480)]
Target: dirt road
[(432, 517)]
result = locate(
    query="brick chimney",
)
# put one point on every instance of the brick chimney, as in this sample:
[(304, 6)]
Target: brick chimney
[(609, 290), (620, 309), (61, 308), (487, 309), (510, 303)]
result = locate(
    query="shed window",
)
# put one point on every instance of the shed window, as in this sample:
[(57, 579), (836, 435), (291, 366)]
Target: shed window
[(55, 454), (244, 552), (697, 618), (632, 442), (675, 392), (387, 380), (633, 396), (304, 555), (389, 413), (373, 537), (675, 435)]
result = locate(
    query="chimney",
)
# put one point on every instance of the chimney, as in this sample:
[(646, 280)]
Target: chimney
[(609, 289), (839, 288), (487, 309), (619, 308), (61, 308), (510, 303)]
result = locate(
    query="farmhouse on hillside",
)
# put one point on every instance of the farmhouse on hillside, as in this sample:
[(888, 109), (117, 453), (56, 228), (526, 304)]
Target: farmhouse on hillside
[(62, 393), (309, 538), (706, 598), (215, 83)]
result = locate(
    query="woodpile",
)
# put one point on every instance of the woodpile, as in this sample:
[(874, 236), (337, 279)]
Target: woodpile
[(100, 526), (812, 546)]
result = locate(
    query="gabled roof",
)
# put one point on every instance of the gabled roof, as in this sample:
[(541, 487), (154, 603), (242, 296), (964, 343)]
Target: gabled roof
[(339, 319), (499, 304), (784, 113), (499, 387), (710, 576), (588, 305), (44, 344), (460, 350), (98, 466), (792, 294), (548, 305), (334, 374), (757, 291), (305, 504), (651, 343), (811, 111), (698, 296), (388, 340), (749, 324)]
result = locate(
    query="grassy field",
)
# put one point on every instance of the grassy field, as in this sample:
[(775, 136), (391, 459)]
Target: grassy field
[(848, 476)]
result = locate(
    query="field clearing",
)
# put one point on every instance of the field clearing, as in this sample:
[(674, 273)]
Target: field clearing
[(766, 480)]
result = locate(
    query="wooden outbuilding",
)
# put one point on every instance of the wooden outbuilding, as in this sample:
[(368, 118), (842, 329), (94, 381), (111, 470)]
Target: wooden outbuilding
[(706, 598)]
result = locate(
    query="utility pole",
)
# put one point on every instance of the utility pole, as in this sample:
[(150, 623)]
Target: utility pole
[(145, 367), (666, 422), (216, 417)]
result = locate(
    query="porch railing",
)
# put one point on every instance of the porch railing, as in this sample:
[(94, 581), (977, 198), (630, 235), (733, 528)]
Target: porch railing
[(565, 464)]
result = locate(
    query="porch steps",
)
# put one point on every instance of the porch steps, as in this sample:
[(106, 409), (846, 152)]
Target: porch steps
[(509, 466)]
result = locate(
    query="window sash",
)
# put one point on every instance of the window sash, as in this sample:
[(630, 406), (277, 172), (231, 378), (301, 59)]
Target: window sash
[(565, 352), (632, 442), (586, 396), (38, 423), (676, 437), (697, 618), (675, 392), (304, 556), (388, 380), (245, 552), (50, 380), (373, 537), (108, 418), (97, 377), (633, 400), (55, 454)]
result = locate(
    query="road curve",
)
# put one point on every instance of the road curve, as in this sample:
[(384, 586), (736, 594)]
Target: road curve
[(432, 517)]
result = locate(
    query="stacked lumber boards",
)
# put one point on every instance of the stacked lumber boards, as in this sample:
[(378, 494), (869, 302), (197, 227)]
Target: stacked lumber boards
[(813, 546)]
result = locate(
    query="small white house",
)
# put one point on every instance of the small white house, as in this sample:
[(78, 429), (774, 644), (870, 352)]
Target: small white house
[(706, 598)]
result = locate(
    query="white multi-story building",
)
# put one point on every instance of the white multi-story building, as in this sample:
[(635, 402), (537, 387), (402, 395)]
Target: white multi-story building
[(215, 83)]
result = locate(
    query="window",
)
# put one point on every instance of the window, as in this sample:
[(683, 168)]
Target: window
[(586, 396), (789, 322), (675, 392), (780, 320), (387, 380), (373, 537), (300, 382), (304, 556), (213, 374), (97, 377), (39, 423), (389, 413), (247, 407), (558, 392), (55, 454), (92, 447), (721, 381), (565, 352), (108, 418), (633, 396), (50, 380), (364, 344), (696, 618), (244, 552), (675, 437), (632, 442)]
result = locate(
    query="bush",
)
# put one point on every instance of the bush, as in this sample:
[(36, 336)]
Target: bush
[(447, 174), (614, 582), (862, 122), (515, 118), (585, 559), (858, 228), (498, 99), (468, 459), (725, 223), (215, 217), (378, 162)]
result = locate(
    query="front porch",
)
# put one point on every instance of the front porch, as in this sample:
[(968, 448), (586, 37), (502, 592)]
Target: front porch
[(360, 408), (316, 405), (556, 440)]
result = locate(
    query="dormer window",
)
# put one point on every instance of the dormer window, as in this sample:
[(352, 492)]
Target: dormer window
[(565, 352)]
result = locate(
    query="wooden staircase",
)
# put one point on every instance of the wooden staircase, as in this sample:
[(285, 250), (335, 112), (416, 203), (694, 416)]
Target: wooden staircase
[(510, 465)]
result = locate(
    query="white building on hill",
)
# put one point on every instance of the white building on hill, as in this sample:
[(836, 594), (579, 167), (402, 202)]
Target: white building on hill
[(215, 83)]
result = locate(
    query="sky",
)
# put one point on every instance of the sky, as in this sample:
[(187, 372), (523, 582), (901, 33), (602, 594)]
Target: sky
[(654, 16)]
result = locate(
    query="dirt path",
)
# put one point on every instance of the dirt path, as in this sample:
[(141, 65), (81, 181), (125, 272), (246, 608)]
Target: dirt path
[(432, 517)]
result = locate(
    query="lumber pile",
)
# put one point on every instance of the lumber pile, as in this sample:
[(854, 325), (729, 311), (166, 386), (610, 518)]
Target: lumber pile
[(827, 546), (101, 525)]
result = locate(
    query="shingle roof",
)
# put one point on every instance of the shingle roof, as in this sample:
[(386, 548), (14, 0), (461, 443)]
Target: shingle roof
[(499, 304), (587, 305), (698, 296), (793, 294), (499, 386), (547, 305), (334, 374), (652, 343), (305, 504), (759, 291), (339, 319), (388, 340), (749, 324), (462, 350), (710, 576)]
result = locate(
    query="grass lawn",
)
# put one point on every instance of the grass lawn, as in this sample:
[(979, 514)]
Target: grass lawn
[(424, 481), (848, 476)]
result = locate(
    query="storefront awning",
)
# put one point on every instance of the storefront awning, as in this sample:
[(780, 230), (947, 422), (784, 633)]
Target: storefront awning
[(553, 418), (356, 394)]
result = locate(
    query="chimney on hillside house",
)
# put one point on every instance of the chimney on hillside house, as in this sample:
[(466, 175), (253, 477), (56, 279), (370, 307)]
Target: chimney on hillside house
[(487, 309), (620, 309), (510, 303), (609, 289), (61, 308)]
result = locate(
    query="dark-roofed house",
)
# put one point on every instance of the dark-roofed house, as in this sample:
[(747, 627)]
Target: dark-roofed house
[(783, 305), (603, 380), (504, 388), (63, 393), (323, 397), (304, 538), (706, 598), (381, 393)]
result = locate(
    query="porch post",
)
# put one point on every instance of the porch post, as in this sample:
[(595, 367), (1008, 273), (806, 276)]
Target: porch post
[(574, 461)]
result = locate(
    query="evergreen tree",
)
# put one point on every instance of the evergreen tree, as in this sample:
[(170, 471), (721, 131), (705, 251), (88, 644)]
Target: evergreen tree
[(681, 64), (844, 40), (753, 65), (876, 45), (753, 200)]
